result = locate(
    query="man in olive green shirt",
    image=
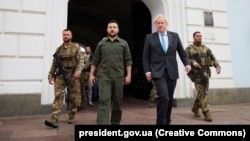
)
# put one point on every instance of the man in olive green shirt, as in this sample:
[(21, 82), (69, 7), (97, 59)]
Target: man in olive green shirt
[(111, 57)]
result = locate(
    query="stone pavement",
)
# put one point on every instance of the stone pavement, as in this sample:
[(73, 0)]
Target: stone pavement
[(136, 112)]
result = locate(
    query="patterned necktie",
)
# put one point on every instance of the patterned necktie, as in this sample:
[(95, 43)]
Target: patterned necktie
[(163, 44)]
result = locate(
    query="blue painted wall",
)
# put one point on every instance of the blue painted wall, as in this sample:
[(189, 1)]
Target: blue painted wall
[(239, 28)]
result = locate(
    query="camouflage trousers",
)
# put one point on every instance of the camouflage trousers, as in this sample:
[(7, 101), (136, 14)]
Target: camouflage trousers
[(59, 93), (82, 99), (201, 100), (153, 94)]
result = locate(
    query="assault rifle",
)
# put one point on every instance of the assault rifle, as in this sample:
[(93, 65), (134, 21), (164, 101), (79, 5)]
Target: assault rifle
[(62, 71), (204, 79)]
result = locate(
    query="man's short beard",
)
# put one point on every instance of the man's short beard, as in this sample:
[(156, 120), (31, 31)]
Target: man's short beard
[(197, 42), (66, 40), (112, 36)]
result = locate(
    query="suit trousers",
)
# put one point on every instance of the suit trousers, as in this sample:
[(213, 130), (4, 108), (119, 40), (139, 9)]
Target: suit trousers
[(165, 91)]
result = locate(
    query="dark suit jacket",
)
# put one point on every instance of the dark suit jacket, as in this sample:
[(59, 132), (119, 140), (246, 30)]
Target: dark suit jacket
[(155, 60)]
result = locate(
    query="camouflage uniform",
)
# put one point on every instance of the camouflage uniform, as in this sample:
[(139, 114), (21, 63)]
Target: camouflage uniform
[(207, 60), (78, 87), (153, 96), (84, 80), (72, 61)]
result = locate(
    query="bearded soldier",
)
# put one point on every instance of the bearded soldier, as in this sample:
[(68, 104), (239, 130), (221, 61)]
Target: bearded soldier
[(201, 58), (78, 94), (86, 97), (71, 62)]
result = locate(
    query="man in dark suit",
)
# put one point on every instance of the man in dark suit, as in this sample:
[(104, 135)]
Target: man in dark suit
[(160, 65)]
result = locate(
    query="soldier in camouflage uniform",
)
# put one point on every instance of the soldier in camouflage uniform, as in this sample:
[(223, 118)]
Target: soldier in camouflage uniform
[(207, 60), (72, 61), (78, 94), (84, 79)]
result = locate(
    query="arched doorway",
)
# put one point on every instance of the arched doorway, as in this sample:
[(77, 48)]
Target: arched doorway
[(88, 20)]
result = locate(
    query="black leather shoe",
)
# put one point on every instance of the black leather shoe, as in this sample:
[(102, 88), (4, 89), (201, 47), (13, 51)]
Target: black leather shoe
[(53, 125)]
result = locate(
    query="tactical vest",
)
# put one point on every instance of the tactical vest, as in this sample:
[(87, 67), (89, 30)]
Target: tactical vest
[(206, 61), (203, 52), (68, 56)]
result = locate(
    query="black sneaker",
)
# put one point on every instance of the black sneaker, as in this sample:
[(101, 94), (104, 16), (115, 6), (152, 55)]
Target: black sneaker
[(53, 125)]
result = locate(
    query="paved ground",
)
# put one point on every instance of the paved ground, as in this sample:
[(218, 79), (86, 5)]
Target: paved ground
[(136, 112)]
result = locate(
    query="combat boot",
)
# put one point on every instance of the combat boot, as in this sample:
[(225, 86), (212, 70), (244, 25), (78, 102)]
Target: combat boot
[(52, 124), (196, 112), (151, 104), (71, 118), (208, 116)]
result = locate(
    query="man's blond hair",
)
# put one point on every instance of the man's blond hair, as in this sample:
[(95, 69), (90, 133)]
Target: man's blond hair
[(158, 17)]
